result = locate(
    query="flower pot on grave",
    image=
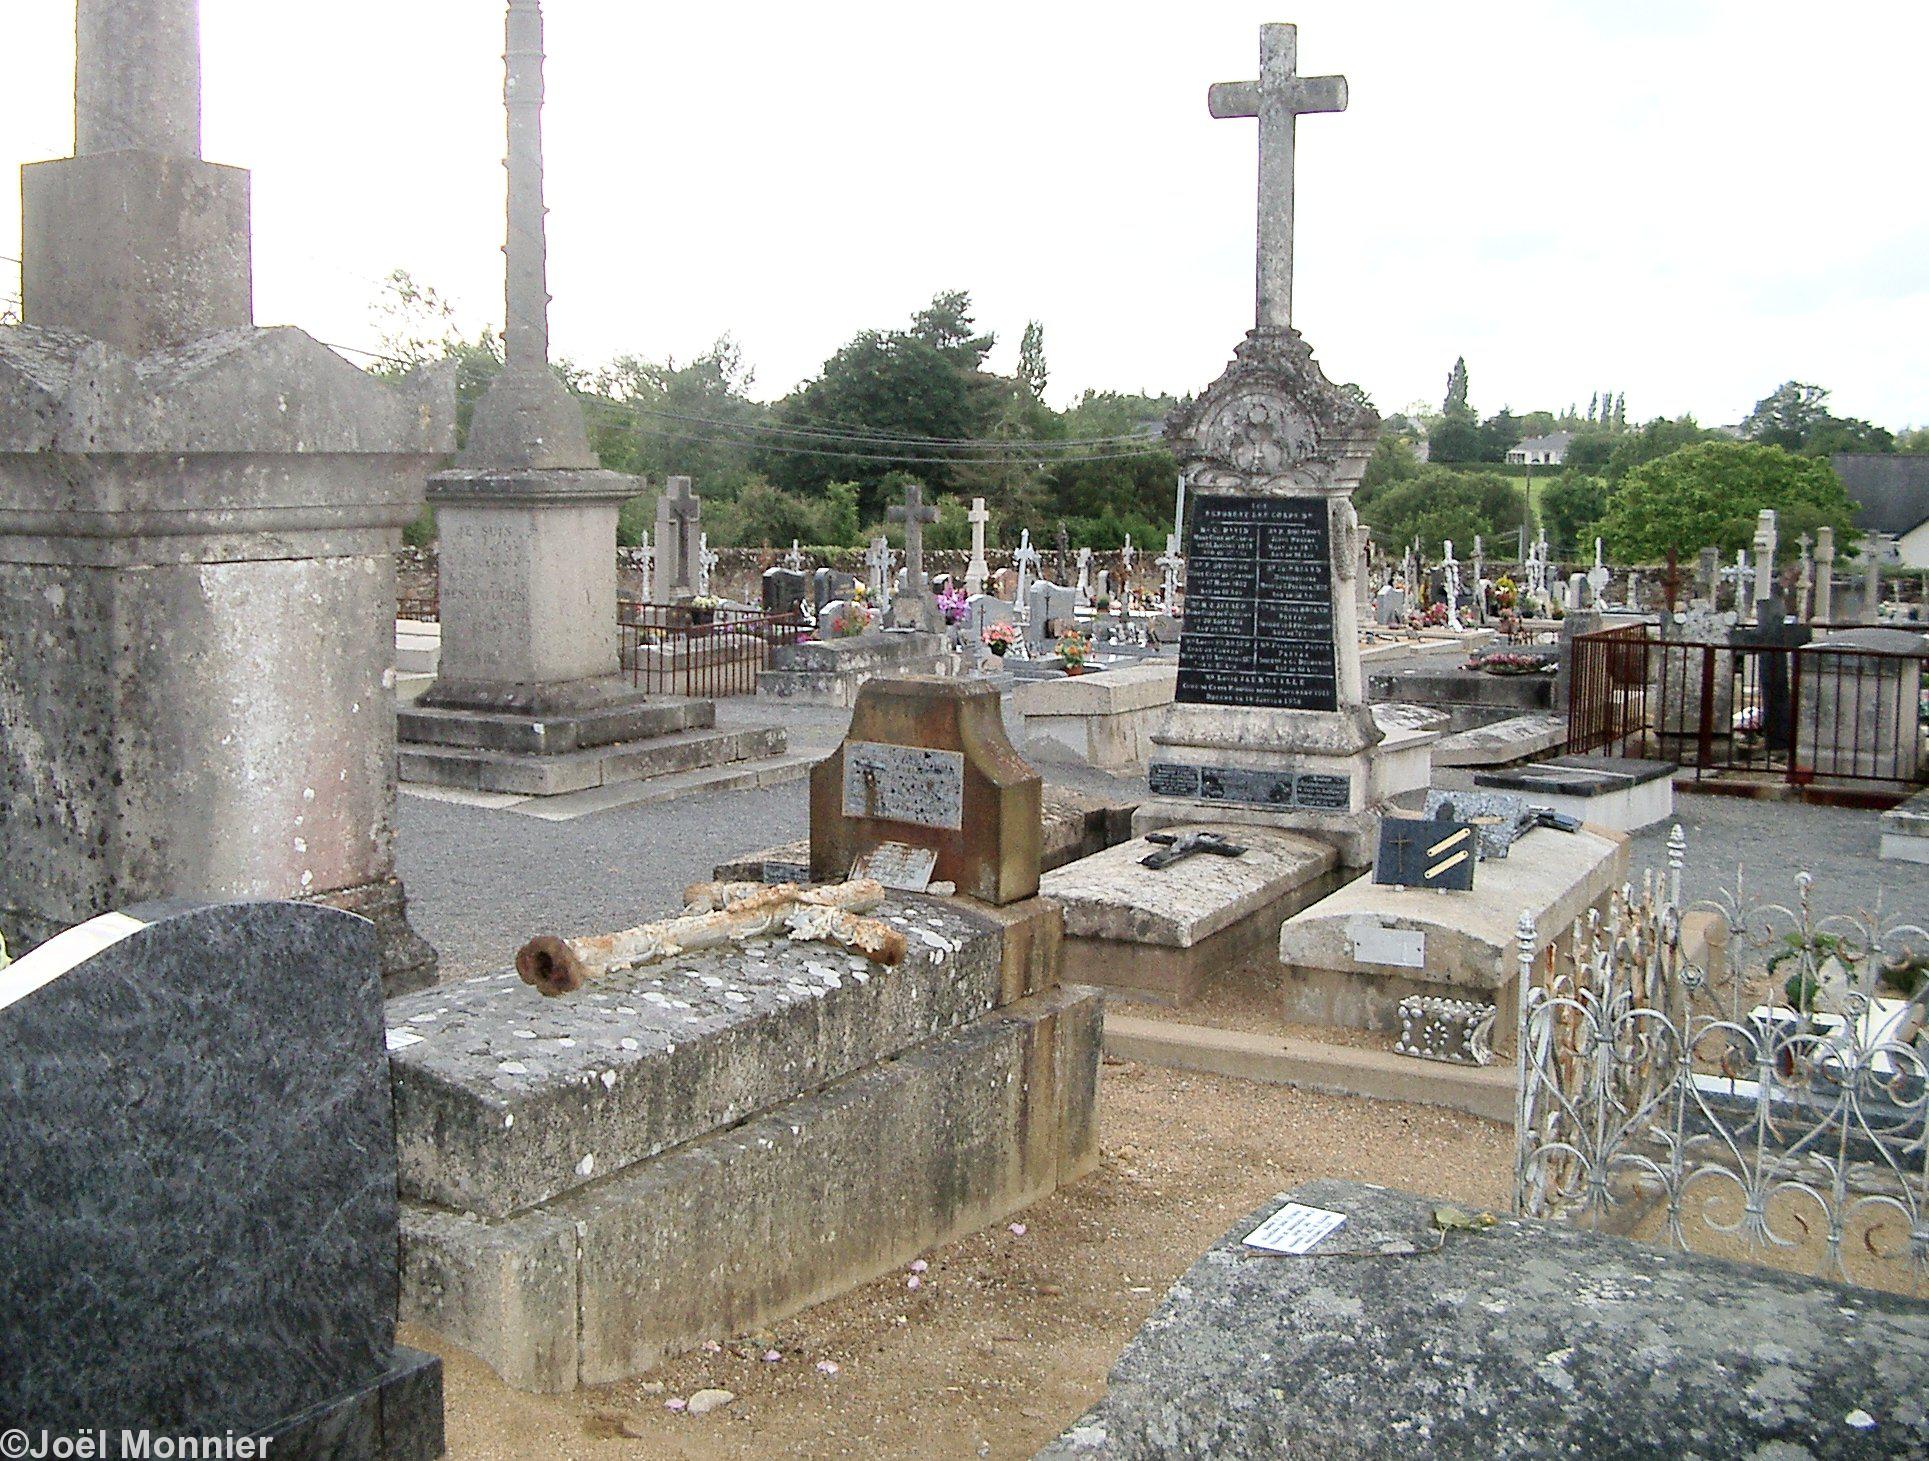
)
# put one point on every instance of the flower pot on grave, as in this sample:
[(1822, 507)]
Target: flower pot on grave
[(998, 648)]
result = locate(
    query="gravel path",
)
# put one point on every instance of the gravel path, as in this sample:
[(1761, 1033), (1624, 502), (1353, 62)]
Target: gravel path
[(480, 882)]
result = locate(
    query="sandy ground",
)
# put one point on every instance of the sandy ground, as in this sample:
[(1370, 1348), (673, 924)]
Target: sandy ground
[(1009, 1336)]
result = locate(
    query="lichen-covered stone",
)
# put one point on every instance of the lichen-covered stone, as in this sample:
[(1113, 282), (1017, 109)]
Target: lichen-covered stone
[(1393, 1338)]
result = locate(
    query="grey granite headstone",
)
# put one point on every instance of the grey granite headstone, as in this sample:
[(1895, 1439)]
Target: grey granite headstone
[(200, 1225), (783, 590), (827, 584), (1499, 818), (1394, 1337)]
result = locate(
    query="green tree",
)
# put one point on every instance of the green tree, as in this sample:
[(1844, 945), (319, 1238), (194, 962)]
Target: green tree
[(1456, 406), (1455, 439), (1786, 415), (1392, 461), (1437, 503), (1571, 506), (1590, 450), (1033, 373), (1914, 439), (947, 327), (1656, 439), (1498, 435), (1708, 495)]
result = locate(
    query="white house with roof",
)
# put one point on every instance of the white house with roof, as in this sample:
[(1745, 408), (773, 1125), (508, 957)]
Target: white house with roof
[(1891, 493), (1541, 451)]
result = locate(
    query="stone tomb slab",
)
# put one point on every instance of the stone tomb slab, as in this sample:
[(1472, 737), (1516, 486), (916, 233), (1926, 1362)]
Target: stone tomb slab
[(1162, 934), (1104, 720), (1526, 1339), (834, 671), (1352, 957), (201, 1222), (927, 762), (505, 1099), (1619, 793)]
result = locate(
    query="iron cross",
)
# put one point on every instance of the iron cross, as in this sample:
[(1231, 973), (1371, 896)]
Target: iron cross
[(1177, 849), (1277, 99)]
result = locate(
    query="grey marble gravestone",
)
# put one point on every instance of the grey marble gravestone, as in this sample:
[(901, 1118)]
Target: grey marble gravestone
[(201, 1226), (783, 590)]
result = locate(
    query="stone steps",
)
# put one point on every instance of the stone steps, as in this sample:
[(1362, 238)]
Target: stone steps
[(573, 771), (422, 727), (732, 776)]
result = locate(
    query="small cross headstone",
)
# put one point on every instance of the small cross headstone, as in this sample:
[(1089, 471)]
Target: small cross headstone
[(1025, 559), (1171, 563), (1085, 577), (914, 607), (977, 570), (678, 546), (1063, 567), (877, 563), (707, 560)]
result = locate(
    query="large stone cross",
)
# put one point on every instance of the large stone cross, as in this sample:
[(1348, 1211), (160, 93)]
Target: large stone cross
[(137, 77), (1277, 99), (914, 515)]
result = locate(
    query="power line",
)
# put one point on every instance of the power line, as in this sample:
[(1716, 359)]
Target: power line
[(856, 445)]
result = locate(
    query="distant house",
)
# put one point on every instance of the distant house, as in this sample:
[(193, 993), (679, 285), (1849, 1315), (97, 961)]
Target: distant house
[(1893, 490), (1541, 451)]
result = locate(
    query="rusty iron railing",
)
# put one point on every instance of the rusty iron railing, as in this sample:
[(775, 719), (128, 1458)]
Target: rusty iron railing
[(1809, 714), (709, 654)]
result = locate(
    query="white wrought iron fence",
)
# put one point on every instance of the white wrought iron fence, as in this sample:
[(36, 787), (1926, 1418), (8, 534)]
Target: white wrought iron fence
[(1735, 1077)]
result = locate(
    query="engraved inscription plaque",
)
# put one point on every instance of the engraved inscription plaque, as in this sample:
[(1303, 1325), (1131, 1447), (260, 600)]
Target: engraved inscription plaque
[(904, 784), (1249, 788), (1170, 778), (1324, 793), (1259, 605)]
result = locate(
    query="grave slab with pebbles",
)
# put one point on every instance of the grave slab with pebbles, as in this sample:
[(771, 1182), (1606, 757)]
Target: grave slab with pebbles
[(682, 1151)]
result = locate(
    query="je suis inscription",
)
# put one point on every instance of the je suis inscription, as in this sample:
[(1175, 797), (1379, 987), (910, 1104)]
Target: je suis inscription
[(1259, 605)]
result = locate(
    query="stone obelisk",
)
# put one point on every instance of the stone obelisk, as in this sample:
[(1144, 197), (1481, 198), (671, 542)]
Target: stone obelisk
[(198, 522), (1272, 727), (528, 695)]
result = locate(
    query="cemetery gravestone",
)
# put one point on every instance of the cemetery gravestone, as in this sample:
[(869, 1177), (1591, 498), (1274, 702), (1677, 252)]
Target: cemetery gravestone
[(1269, 668), (783, 590), (977, 570), (201, 1224), (913, 607), (827, 584), (927, 763)]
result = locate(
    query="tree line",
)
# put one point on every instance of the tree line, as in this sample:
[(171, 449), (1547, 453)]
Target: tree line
[(1667, 483), (823, 464)]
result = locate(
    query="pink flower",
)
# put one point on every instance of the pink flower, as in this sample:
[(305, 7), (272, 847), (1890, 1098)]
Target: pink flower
[(914, 1282), (772, 1357), (827, 1367), (1018, 1230), (675, 1402), (920, 1266)]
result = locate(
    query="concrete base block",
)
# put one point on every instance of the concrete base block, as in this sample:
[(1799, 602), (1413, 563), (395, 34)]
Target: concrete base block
[(832, 671), (1162, 934), (531, 773), (751, 1224), (1104, 720), (1351, 958), (1905, 830)]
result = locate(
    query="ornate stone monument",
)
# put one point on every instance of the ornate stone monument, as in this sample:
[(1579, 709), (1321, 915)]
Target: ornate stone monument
[(1271, 723), (198, 522), (529, 695)]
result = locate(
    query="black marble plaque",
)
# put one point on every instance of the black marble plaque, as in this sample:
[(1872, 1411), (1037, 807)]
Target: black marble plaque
[(1248, 788), (1323, 793), (200, 1225), (1426, 854), (1170, 778), (1259, 605)]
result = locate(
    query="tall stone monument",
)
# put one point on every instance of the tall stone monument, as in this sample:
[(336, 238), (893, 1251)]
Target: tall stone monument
[(529, 696), (1271, 723), (198, 522)]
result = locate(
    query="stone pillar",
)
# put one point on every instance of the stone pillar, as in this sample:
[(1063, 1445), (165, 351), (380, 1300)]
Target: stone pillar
[(1872, 580), (1824, 573), (197, 573), (529, 696)]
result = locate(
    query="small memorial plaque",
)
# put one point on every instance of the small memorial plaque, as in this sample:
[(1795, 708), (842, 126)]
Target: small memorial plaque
[(1319, 792), (1426, 854), (1294, 1229), (1248, 788), (1170, 778), (904, 784), (1259, 605), (898, 865)]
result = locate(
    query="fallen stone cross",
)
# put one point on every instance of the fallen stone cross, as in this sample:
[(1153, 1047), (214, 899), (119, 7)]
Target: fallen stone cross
[(1177, 849), (715, 914)]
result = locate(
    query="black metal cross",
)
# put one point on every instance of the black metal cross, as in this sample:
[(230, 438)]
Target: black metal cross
[(1178, 848)]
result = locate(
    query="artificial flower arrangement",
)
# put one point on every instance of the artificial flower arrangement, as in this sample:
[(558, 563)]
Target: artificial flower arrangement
[(1505, 592), (850, 620), (1000, 637), (1074, 648), (951, 604)]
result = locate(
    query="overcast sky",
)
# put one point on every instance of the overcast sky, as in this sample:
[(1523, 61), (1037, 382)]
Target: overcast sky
[(1689, 202)]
